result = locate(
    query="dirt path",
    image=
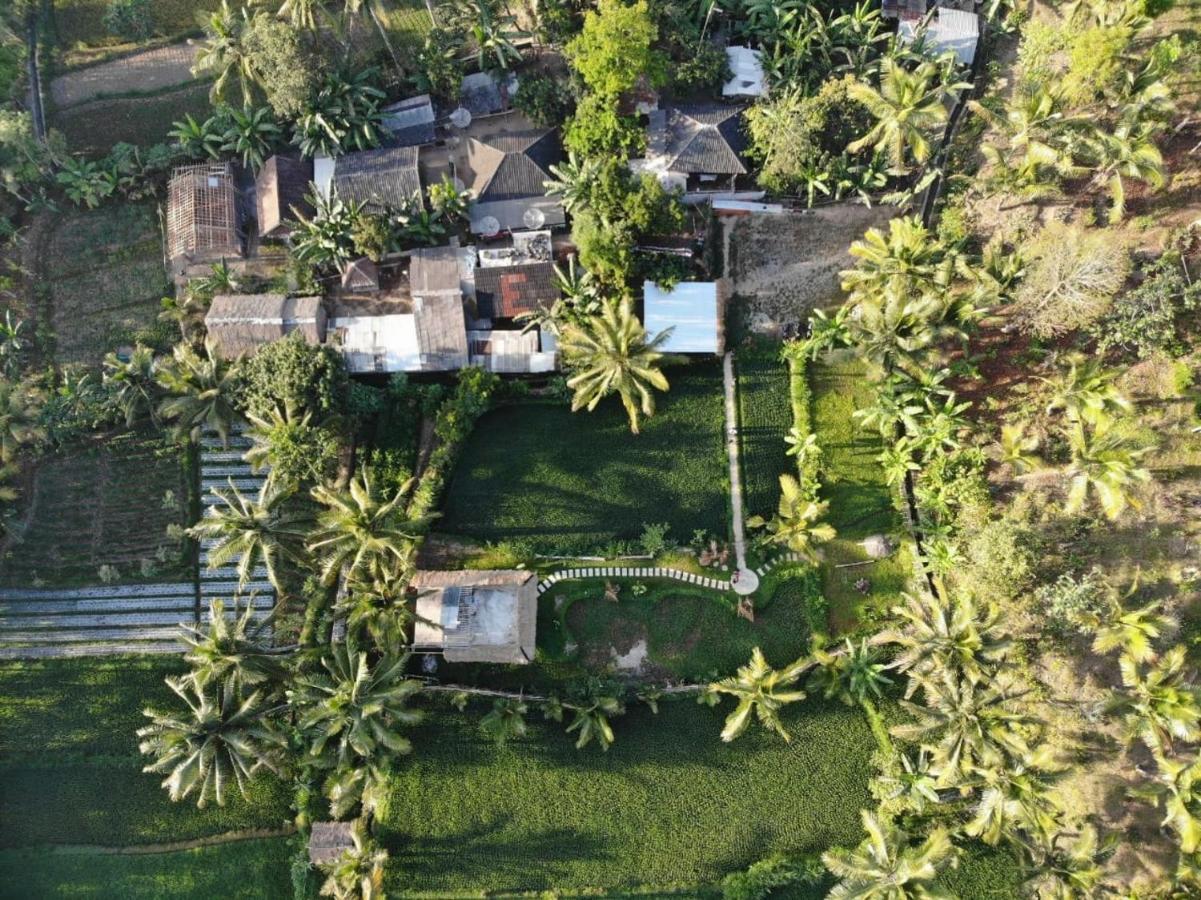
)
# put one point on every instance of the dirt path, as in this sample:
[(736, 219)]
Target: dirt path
[(229, 837), (144, 72)]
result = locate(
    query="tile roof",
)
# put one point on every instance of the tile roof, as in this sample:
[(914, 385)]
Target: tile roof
[(512, 165), (282, 183), (241, 323), (503, 292), (380, 178), (699, 138)]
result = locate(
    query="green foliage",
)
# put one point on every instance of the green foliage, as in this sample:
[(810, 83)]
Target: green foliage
[(544, 98), (1001, 555), (1150, 318), (437, 68), (954, 484), (292, 373), (668, 801), (598, 130), (573, 482), (289, 67), (704, 69), (765, 417), (1096, 62), (132, 20), (343, 116), (616, 48), (1072, 603), (654, 538), (763, 878)]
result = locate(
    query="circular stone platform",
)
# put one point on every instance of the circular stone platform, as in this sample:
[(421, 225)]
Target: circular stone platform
[(747, 583)]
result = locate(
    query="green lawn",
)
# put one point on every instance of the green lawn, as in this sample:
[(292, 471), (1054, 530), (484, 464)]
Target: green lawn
[(252, 870), (765, 415), (104, 504), (558, 481), (668, 804), (861, 502), (70, 771)]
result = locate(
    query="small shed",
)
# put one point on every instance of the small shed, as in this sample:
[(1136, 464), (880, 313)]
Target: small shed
[(282, 184), (329, 840), (378, 343), (202, 214), (489, 615), (505, 292), (693, 310), (239, 324), (360, 276), (510, 351), (747, 68), (410, 121), (945, 29)]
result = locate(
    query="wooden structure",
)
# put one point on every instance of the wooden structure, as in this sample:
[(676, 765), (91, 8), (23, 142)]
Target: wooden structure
[(282, 184), (329, 840), (202, 214)]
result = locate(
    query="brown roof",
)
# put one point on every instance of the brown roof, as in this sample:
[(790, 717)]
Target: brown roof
[(441, 331), (202, 213), (435, 270), (384, 178), (360, 275), (241, 323), (329, 840), (503, 292), (282, 183)]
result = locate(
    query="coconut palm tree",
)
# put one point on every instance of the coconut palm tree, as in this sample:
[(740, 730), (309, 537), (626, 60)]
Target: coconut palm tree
[(886, 866), (359, 534), (760, 689), (1104, 463), (1132, 632), (854, 673), (224, 737), (358, 874), (223, 53), (20, 405), (796, 524), (1160, 703), (591, 711), (945, 633), (200, 391), (908, 259), (1017, 449), (1177, 788), (966, 727), (187, 312), (301, 14), (377, 604), (1086, 392), (506, 720), (1127, 151), (573, 181), (1015, 803), (253, 530), (286, 445), (352, 715), (1068, 867), (488, 30), (235, 646), (12, 344), (610, 353), (897, 330), (1038, 133), (132, 383), (914, 784), (906, 106)]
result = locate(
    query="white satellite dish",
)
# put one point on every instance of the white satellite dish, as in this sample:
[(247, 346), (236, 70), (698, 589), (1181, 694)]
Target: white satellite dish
[(533, 217), (489, 226), (461, 117)]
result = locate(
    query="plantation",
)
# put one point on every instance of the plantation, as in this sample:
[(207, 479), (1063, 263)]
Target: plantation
[(199, 874), (668, 804), (765, 415), (550, 481), (101, 505), (70, 771)]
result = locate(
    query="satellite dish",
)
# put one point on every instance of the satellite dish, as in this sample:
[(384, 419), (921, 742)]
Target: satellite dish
[(461, 117), (533, 217), (489, 226)]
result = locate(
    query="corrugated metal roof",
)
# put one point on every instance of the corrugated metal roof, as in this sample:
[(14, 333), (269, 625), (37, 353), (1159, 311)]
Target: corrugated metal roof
[(747, 68)]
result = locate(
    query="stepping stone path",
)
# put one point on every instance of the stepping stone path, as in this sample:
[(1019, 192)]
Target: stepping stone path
[(134, 618), (579, 572)]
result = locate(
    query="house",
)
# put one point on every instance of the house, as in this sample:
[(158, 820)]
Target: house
[(239, 324), (904, 10), (486, 616), (694, 311), (511, 351), (387, 178), (282, 185), (506, 292), (410, 122), (696, 146), (202, 215), (505, 161), (747, 79), (329, 840), (942, 30)]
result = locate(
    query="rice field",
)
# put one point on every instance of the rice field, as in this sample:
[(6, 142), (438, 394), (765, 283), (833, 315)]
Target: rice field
[(765, 415)]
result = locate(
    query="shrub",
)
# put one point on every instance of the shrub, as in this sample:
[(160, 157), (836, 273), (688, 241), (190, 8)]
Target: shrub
[(544, 99), (763, 878), (1001, 557), (1147, 319), (1069, 603), (706, 69), (953, 484), (290, 71), (616, 48), (293, 373), (598, 130), (654, 538), (129, 19)]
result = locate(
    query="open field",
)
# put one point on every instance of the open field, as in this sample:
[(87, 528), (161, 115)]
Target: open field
[(80, 23), (558, 481), (92, 128), (765, 415), (102, 505), (70, 771), (668, 804), (103, 267), (861, 502), (252, 869)]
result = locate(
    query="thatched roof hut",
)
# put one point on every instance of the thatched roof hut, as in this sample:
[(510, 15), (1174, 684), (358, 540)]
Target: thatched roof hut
[(202, 214), (239, 324), (329, 840)]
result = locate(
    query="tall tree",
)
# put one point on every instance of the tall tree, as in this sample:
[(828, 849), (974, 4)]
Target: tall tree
[(616, 47), (886, 866), (796, 524), (200, 389), (760, 691), (236, 646), (907, 106), (1159, 703), (610, 353), (1106, 463), (223, 53), (133, 384)]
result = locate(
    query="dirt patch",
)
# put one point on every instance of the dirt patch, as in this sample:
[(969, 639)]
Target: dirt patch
[(632, 660), (152, 70), (784, 265)]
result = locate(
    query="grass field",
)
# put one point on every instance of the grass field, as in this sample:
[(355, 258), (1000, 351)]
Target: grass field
[(103, 267), (105, 504), (250, 870), (70, 771), (558, 481), (668, 804), (765, 415), (81, 22), (861, 502), (92, 128)]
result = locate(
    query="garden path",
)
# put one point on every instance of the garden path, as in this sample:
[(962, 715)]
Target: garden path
[(745, 581), (150, 70)]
